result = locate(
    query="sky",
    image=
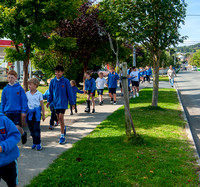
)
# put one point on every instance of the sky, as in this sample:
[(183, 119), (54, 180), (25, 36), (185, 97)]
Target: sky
[(192, 23)]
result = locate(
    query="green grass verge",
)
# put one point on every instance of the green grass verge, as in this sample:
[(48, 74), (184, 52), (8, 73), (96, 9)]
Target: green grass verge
[(163, 78), (105, 158)]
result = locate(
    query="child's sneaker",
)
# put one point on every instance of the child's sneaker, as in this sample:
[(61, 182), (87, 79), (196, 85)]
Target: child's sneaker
[(100, 103), (76, 110), (65, 130), (93, 110), (62, 140), (50, 127), (111, 101), (71, 113), (24, 138), (134, 96), (115, 102), (39, 147), (56, 124), (137, 94), (33, 146)]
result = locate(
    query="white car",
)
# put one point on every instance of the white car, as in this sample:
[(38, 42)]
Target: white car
[(3, 76), (194, 68)]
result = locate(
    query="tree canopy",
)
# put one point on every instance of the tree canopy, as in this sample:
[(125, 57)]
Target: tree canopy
[(30, 22)]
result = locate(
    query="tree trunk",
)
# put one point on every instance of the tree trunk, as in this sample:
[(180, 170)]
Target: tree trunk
[(128, 118), (25, 69), (156, 64)]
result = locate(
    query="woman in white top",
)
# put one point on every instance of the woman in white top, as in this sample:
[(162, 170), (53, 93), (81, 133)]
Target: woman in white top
[(171, 74)]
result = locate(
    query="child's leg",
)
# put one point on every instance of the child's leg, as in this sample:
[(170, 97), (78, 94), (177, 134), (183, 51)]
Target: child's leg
[(37, 131), (76, 108), (133, 90), (115, 97), (9, 173), (62, 124), (52, 116), (31, 128), (71, 109), (101, 98), (93, 102), (137, 89)]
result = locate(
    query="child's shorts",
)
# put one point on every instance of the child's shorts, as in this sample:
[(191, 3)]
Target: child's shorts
[(112, 90), (15, 118), (100, 91), (60, 111), (89, 92), (9, 174), (135, 83)]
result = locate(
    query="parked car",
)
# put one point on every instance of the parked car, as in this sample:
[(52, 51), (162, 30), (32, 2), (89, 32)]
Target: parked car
[(39, 75), (194, 68), (183, 69), (3, 76), (104, 71)]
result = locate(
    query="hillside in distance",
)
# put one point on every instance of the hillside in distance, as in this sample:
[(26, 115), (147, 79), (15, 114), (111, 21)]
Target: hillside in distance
[(189, 49)]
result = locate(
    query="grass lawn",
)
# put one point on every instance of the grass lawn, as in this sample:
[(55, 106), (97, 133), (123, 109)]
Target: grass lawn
[(105, 158), (163, 78)]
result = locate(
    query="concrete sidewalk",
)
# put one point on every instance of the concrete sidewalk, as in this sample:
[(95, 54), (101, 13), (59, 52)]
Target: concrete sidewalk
[(32, 162)]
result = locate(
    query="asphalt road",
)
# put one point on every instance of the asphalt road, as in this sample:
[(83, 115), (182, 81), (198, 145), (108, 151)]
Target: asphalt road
[(188, 84)]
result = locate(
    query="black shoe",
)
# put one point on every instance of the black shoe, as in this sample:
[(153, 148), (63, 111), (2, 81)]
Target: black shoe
[(93, 110), (100, 103), (24, 138), (76, 110), (71, 113)]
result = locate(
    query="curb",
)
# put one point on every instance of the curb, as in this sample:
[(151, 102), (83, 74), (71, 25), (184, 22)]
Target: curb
[(187, 127)]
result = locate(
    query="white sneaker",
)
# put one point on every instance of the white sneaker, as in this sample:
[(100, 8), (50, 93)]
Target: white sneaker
[(134, 96), (137, 94), (111, 102)]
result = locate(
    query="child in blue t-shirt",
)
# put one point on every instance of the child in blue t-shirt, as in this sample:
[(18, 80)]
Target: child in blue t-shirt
[(75, 91)]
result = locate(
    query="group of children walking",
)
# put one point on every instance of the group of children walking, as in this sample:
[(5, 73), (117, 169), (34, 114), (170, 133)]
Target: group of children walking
[(17, 105)]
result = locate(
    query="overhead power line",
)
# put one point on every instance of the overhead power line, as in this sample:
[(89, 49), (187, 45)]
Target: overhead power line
[(194, 15)]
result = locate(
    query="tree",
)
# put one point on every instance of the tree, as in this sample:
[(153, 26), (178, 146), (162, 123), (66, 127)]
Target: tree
[(29, 23), (195, 59), (89, 36), (154, 23)]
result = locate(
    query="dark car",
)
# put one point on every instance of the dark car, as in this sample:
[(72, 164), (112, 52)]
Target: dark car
[(39, 75)]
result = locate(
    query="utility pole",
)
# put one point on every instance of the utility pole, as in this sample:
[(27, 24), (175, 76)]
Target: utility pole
[(174, 56), (134, 56)]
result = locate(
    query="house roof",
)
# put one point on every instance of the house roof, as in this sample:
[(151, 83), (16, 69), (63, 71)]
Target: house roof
[(7, 43)]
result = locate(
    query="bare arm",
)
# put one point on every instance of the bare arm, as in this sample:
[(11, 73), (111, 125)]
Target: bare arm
[(43, 110)]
